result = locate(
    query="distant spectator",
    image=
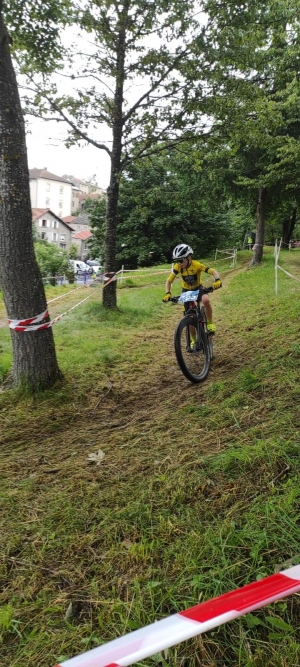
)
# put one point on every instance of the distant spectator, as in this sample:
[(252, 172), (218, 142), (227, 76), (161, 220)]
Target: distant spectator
[(250, 240)]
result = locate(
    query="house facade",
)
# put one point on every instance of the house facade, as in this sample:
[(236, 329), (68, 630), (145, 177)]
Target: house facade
[(51, 228), (80, 239), (51, 192), (82, 190), (81, 223)]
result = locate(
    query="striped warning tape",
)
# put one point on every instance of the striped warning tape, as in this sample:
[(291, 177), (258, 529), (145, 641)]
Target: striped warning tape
[(154, 638)]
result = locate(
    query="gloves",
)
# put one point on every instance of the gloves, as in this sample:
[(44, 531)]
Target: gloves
[(217, 284), (167, 297)]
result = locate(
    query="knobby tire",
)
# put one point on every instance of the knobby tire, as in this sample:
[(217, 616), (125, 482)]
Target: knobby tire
[(194, 365)]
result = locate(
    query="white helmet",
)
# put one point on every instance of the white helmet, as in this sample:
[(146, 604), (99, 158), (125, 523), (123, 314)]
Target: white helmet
[(181, 251)]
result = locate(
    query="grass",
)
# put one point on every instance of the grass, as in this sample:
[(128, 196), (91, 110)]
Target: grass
[(198, 491)]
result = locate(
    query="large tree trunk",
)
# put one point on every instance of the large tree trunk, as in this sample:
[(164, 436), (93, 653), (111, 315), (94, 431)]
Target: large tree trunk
[(34, 359), (288, 228), (260, 227), (110, 292)]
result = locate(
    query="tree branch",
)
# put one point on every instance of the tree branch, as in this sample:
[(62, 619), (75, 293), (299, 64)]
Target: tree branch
[(154, 87)]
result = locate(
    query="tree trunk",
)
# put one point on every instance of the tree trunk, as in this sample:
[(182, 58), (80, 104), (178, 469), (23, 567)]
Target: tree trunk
[(110, 292), (288, 228), (260, 227), (34, 359)]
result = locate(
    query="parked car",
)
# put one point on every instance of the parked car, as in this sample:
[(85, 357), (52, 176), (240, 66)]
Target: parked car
[(295, 244), (80, 267), (96, 267)]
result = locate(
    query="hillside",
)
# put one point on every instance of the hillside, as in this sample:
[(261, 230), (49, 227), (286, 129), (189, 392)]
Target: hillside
[(198, 491)]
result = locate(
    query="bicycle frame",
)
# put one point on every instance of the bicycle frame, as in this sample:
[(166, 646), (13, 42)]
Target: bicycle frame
[(193, 346)]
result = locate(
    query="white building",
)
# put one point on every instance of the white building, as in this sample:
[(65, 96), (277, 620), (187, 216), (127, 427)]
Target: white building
[(48, 191), (51, 228), (83, 190)]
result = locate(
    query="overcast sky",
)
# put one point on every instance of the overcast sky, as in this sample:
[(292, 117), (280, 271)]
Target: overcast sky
[(45, 144), (46, 149)]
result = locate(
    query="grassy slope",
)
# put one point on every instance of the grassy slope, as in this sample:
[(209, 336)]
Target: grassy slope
[(198, 491)]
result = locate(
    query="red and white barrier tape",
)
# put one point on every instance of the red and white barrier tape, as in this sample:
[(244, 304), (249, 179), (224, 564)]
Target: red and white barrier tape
[(154, 638), (108, 280), (15, 324), (66, 293), (142, 275), (18, 325)]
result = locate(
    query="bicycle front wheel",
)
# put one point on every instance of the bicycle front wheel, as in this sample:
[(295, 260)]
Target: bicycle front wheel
[(193, 357)]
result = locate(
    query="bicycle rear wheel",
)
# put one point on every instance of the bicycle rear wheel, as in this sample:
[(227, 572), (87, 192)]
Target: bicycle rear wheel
[(194, 361)]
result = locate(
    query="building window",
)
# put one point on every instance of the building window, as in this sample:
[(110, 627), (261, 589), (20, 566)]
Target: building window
[(60, 204), (61, 189), (54, 224), (48, 187), (54, 236), (47, 202), (62, 246), (44, 223), (62, 237), (43, 236)]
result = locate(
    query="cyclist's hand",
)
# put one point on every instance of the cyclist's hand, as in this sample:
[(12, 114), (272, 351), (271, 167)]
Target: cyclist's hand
[(217, 284), (167, 297)]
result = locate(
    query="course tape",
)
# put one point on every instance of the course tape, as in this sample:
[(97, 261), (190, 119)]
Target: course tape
[(18, 325), (15, 324), (154, 638), (71, 291), (287, 273)]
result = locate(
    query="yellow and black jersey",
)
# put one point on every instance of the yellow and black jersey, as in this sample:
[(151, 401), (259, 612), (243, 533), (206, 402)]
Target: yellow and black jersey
[(191, 275)]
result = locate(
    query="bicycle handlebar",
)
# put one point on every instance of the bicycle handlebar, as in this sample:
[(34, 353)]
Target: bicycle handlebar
[(202, 290)]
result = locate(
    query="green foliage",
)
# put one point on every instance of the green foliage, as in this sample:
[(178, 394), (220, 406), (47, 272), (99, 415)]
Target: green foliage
[(72, 251), (36, 31), (52, 261), (254, 60), (163, 201), (96, 208)]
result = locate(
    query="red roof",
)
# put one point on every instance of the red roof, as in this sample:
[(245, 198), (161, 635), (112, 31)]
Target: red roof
[(43, 173), (83, 235), (90, 195), (37, 212), (69, 218)]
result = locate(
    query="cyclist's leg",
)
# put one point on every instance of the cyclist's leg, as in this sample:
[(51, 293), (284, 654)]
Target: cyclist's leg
[(207, 308), (209, 314), (192, 330)]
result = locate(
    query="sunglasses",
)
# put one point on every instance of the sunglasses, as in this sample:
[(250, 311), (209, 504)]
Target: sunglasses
[(180, 261)]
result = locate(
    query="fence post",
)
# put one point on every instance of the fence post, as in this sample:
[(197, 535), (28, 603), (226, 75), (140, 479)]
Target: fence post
[(216, 253)]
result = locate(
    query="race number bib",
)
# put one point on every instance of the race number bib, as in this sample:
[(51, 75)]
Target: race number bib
[(189, 296)]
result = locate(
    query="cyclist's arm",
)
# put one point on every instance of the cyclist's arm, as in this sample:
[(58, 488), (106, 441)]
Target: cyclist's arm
[(169, 281), (211, 272)]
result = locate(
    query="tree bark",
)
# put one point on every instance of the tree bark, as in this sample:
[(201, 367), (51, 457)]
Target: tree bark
[(260, 227), (109, 298), (34, 359), (288, 227)]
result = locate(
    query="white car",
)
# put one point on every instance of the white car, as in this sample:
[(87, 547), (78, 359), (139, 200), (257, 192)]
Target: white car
[(80, 267), (95, 266)]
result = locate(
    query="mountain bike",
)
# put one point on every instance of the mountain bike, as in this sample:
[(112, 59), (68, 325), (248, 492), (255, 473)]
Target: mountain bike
[(193, 344)]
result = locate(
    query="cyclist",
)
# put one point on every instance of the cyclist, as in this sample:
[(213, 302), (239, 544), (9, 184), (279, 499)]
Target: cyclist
[(190, 271)]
